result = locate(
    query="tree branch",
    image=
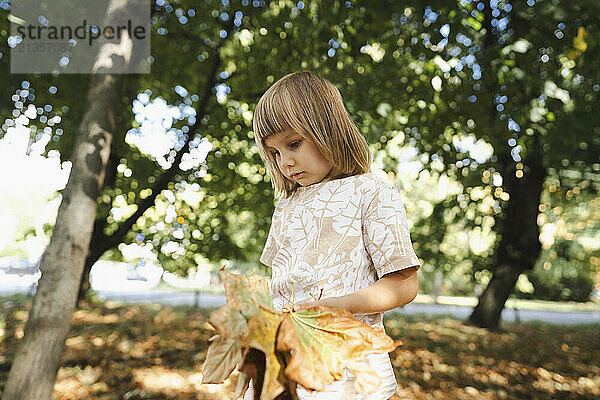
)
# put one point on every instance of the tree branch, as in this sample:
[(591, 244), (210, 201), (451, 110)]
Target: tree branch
[(108, 242)]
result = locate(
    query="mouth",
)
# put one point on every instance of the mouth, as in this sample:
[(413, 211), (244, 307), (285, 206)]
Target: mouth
[(296, 175)]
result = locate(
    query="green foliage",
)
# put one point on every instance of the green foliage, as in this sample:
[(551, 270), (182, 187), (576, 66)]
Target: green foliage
[(562, 274), (570, 262), (432, 76)]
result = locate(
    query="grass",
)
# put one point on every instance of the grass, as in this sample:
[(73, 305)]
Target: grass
[(117, 351)]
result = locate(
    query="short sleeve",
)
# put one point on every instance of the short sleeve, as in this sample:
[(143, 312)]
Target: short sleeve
[(271, 245), (385, 231), (270, 250)]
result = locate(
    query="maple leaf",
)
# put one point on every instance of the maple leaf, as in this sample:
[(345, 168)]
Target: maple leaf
[(324, 341), (229, 322), (222, 357), (225, 351), (316, 344), (248, 320), (246, 293)]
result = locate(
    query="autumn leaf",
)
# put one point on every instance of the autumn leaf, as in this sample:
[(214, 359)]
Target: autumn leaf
[(229, 322), (262, 333), (246, 293), (225, 351), (249, 321), (222, 357), (324, 341), (321, 342), (579, 40)]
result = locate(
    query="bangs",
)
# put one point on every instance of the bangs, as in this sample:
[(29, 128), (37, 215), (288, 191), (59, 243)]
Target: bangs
[(275, 113), (312, 107)]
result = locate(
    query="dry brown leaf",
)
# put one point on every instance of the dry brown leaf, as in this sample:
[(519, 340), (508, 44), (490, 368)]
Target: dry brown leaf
[(229, 322), (222, 357), (324, 341), (243, 321)]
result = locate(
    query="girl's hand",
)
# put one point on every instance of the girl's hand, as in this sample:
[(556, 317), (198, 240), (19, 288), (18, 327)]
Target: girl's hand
[(307, 305), (318, 302), (329, 302), (392, 290)]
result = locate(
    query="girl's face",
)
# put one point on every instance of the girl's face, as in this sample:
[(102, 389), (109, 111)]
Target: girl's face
[(298, 158)]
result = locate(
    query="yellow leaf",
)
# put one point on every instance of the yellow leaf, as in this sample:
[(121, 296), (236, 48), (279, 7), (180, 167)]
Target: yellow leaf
[(579, 40), (246, 293), (323, 341), (222, 357), (229, 322)]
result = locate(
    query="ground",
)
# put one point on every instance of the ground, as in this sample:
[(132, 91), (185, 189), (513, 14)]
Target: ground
[(117, 351)]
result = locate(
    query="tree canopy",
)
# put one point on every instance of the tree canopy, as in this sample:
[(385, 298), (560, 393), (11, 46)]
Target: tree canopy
[(481, 96)]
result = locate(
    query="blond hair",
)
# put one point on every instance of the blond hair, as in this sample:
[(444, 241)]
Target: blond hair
[(311, 106)]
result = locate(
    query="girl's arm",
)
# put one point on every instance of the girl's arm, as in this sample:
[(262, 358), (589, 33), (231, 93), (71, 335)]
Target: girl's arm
[(392, 290)]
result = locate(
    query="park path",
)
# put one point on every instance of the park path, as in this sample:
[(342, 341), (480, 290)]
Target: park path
[(456, 311)]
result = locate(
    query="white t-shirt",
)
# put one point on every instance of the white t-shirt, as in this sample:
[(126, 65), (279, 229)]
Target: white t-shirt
[(334, 238)]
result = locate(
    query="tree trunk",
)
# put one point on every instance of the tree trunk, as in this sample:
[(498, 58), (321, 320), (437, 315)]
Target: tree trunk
[(100, 242), (37, 361), (519, 245), (85, 284), (95, 250), (39, 353)]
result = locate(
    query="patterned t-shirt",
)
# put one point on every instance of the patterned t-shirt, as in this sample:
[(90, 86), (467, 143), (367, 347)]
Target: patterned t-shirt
[(334, 238)]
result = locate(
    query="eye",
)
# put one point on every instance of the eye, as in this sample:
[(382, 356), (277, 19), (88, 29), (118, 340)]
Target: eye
[(295, 144)]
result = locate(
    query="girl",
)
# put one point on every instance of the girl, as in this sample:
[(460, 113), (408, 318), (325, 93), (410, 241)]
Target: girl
[(339, 235)]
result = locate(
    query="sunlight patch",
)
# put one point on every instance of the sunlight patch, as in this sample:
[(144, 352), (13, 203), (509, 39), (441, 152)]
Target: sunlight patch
[(170, 382)]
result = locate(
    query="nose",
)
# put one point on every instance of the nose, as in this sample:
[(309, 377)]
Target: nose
[(287, 160)]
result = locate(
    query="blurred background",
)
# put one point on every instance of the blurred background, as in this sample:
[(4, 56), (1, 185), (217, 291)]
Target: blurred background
[(483, 114)]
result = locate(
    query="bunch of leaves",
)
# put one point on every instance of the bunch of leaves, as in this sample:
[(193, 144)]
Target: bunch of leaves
[(308, 347)]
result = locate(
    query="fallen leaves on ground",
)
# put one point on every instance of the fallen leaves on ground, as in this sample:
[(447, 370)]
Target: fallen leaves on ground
[(157, 352), (443, 358)]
